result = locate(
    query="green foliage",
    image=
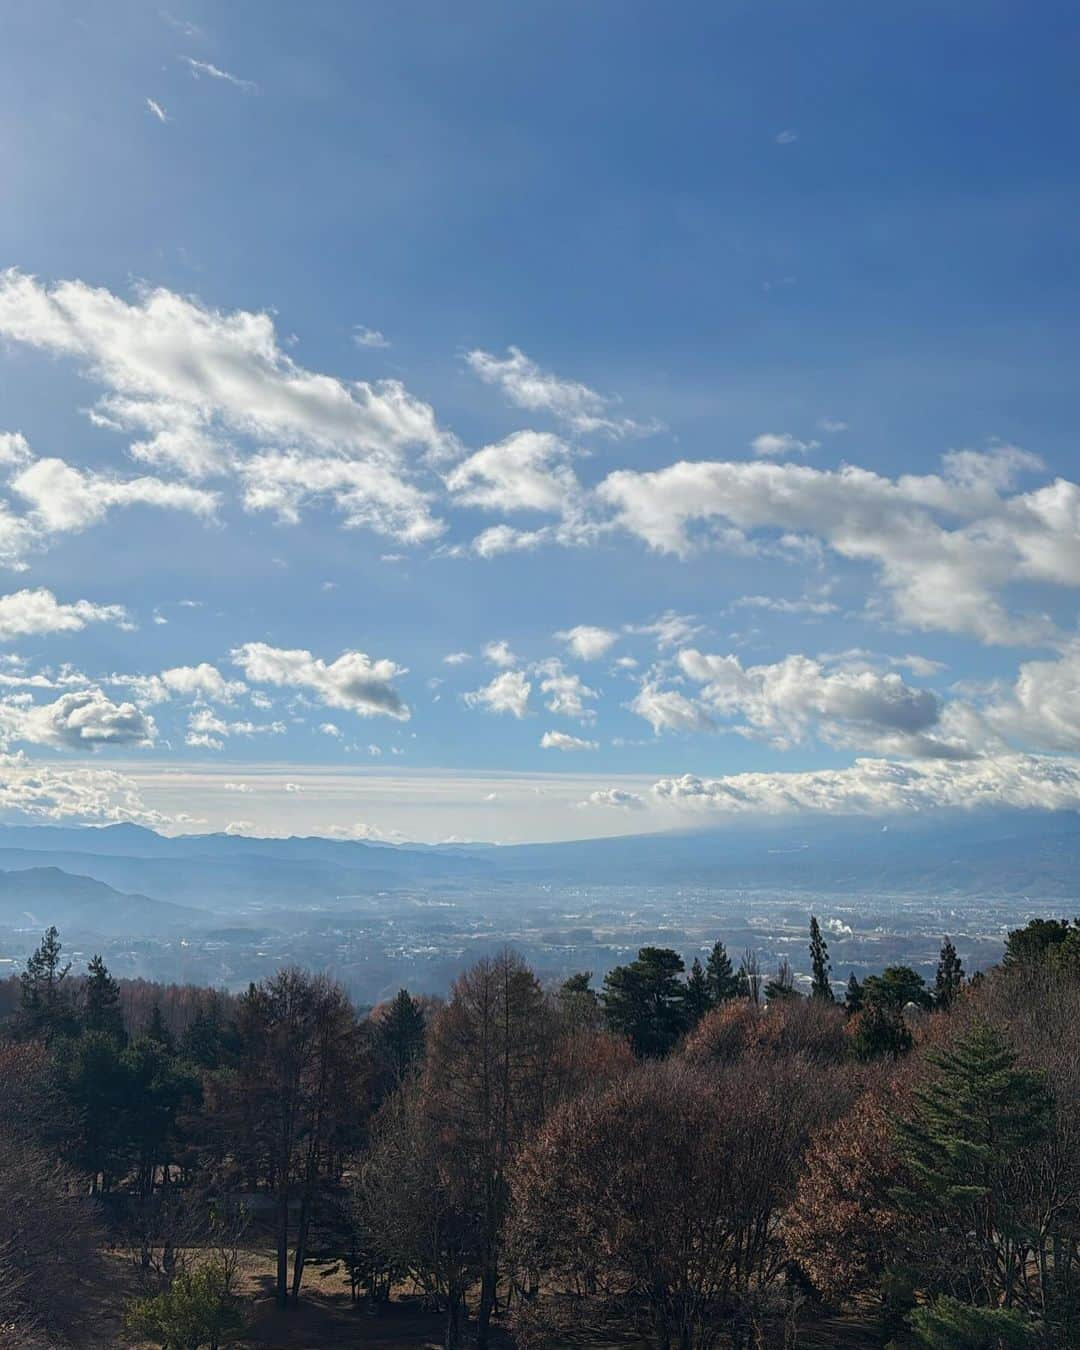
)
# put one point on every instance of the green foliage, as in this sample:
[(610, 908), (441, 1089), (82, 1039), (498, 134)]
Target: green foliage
[(894, 988), (853, 999), (879, 1030), (1032, 944), (782, 985), (697, 997), (950, 976), (820, 969), (400, 1036), (196, 1311), (101, 1009), (645, 1001), (720, 976), (45, 1004), (948, 1324)]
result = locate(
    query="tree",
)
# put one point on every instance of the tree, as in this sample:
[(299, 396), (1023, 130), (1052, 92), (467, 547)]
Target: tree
[(750, 979), (721, 978), (879, 1030), (579, 1003), (895, 988), (1032, 944), (821, 985), (949, 978), (782, 985), (696, 998), (485, 1087), (645, 1001), (97, 1090), (947, 1324), (853, 998), (157, 1030), (196, 1311), (46, 1008), (965, 1192), (399, 1038), (101, 1002)]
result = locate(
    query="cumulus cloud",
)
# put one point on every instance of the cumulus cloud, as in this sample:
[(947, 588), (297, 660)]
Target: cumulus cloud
[(47, 792), (208, 392), (771, 444), (497, 654), (880, 786), (369, 337), (37, 612), (669, 629), (587, 642), (617, 798), (790, 700), (527, 386), (85, 719), (944, 546), (204, 683), (559, 740), (62, 498), (507, 693), (1042, 710), (354, 681), (209, 731), (669, 710), (566, 692), (528, 471)]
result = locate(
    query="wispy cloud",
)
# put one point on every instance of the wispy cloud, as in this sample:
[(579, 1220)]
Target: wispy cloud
[(156, 110), (369, 337), (786, 137), (200, 68), (771, 443)]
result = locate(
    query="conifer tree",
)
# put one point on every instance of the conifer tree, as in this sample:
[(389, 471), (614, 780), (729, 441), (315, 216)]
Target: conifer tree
[(963, 1147), (820, 969), (782, 985), (646, 1001), (45, 1005), (400, 1036), (101, 1010), (720, 977), (950, 976), (157, 1031), (853, 999), (697, 1000)]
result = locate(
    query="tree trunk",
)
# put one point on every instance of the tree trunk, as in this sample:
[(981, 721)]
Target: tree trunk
[(488, 1286), (300, 1255), (282, 1295)]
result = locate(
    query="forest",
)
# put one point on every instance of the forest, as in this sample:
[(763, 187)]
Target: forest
[(681, 1158)]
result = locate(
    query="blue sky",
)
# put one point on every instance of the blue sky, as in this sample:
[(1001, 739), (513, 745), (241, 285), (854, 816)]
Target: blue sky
[(701, 376)]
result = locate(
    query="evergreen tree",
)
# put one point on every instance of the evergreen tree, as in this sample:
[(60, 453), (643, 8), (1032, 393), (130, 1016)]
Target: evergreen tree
[(950, 976), (820, 969), (1032, 944), (720, 977), (158, 1032), (963, 1147), (46, 1008), (895, 988), (96, 1088), (207, 1039), (782, 985), (947, 1324), (697, 1000), (646, 1001), (578, 1001), (853, 999), (101, 1008), (879, 1030), (400, 1036)]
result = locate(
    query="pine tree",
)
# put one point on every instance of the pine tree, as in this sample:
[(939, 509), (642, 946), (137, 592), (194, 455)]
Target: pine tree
[(45, 1006), (400, 1036), (947, 1324), (646, 1001), (157, 1031), (782, 985), (820, 969), (970, 1127), (720, 977), (101, 1009), (950, 976), (697, 997), (853, 999)]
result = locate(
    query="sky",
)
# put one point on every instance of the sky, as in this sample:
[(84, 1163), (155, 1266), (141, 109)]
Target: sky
[(536, 421)]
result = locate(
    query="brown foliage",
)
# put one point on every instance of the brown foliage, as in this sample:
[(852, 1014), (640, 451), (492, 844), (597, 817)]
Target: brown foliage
[(807, 1028)]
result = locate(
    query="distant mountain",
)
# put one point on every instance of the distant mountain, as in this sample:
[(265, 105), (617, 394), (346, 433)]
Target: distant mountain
[(40, 896)]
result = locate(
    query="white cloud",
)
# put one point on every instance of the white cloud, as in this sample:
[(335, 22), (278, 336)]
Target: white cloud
[(880, 786), (771, 444), (507, 693), (832, 425), (786, 137), (790, 701), (527, 386), (202, 389), (528, 471), (156, 110), (945, 546), (669, 630), (456, 658), (782, 606), (617, 798), (35, 612), (208, 730), (369, 337), (236, 787), (668, 710), (200, 68), (499, 654), (62, 498), (81, 720), (45, 792), (559, 740), (588, 643), (566, 692), (353, 682), (1042, 709), (329, 729)]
